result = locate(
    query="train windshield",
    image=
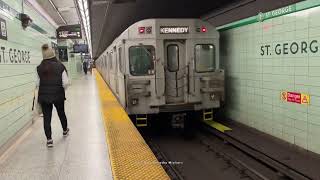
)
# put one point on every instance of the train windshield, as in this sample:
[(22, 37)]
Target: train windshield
[(141, 60), (205, 57)]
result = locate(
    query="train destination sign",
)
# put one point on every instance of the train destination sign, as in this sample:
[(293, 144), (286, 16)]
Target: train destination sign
[(69, 32), (174, 29)]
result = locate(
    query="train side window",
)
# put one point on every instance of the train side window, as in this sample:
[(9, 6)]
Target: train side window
[(173, 57), (120, 60), (205, 57), (110, 61), (105, 61), (141, 60)]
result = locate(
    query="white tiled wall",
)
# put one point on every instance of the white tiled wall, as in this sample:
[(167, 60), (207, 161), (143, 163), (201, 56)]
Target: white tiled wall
[(254, 82), (17, 78)]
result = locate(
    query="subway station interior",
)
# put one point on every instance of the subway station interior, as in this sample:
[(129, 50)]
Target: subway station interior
[(159, 89)]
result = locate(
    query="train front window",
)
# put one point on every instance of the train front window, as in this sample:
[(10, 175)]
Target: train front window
[(173, 57), (141, 60), (205, 57)]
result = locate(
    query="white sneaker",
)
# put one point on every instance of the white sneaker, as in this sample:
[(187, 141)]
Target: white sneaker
[(66, 132), (49, 143)]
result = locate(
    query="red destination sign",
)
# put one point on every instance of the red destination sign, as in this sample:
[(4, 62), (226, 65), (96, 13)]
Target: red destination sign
[(294, 97)]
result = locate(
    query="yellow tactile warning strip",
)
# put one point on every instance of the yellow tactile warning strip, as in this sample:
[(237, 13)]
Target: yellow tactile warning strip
[(130, 156), (218, 126)]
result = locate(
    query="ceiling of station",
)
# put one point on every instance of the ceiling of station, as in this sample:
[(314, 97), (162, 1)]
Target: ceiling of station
[(109, 18), (66, 12)]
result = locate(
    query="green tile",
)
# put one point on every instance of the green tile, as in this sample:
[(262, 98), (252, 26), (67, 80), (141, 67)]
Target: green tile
[(301, 61), (302, 125), (286, 121), (301, 88), (301, 34), (288, 137), (277, 133), (287, 70), (266, 76), (314, 118), (19, 80), (301, 80), (276, 70), (314, 61), (277, 21), (267, 69), (314, 32), (314, 82), (314, 129), (294, 131), (288, 36), (267, 108), (314, 143), (302, 71), (302, 24), (296, 115), (314, 110), (267, 92), (314, 20), (267, 100), (315, 101), (302, 142), (314, 71)]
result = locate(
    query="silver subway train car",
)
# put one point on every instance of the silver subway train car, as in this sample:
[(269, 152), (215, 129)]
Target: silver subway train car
[(165, 66)]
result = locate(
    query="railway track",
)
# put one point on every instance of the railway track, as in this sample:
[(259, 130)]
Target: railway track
[(283, 171), (210, 154)]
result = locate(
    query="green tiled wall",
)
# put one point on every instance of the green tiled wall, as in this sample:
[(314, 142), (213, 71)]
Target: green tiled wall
[(17, 79), (254, 82)]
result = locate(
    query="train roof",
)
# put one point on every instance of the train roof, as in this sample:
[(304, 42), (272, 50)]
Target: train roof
[(168, 28)]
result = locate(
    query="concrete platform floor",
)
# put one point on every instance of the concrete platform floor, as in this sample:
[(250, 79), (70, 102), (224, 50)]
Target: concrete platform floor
[(83, 155)]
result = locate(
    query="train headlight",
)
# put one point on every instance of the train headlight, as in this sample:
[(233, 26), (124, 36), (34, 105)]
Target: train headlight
[(134, 101), (212, 96)]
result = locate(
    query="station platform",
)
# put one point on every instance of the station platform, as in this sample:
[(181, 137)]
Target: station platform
[(81, 155), (103, 142)]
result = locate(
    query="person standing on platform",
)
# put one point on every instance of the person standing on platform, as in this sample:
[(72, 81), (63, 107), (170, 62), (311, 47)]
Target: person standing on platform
[(52, 82), (85, 67), (90, 66)]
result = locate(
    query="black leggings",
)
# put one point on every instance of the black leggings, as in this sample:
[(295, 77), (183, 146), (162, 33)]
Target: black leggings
[(47, 114)]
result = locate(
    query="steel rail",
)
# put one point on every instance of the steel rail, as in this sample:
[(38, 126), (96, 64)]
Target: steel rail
[(283, 169), (170, 169)]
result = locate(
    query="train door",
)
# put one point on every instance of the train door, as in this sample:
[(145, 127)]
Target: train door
[(175, 68)]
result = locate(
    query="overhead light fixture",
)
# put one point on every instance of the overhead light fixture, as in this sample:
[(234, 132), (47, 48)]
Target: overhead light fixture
[(65, 9), (54, 6), (83, 9)]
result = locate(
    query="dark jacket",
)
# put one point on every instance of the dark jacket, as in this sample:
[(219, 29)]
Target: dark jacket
[(51, 87)]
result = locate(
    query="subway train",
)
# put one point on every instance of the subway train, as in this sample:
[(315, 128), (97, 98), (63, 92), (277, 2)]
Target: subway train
[(165, 66)]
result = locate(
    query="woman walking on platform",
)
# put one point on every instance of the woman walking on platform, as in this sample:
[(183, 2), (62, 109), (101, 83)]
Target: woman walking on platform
[(52, 81), (85, 67)]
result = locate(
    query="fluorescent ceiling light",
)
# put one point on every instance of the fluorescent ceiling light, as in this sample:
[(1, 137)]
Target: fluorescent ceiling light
[(65, 9), (54, 6), (84, 13)]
